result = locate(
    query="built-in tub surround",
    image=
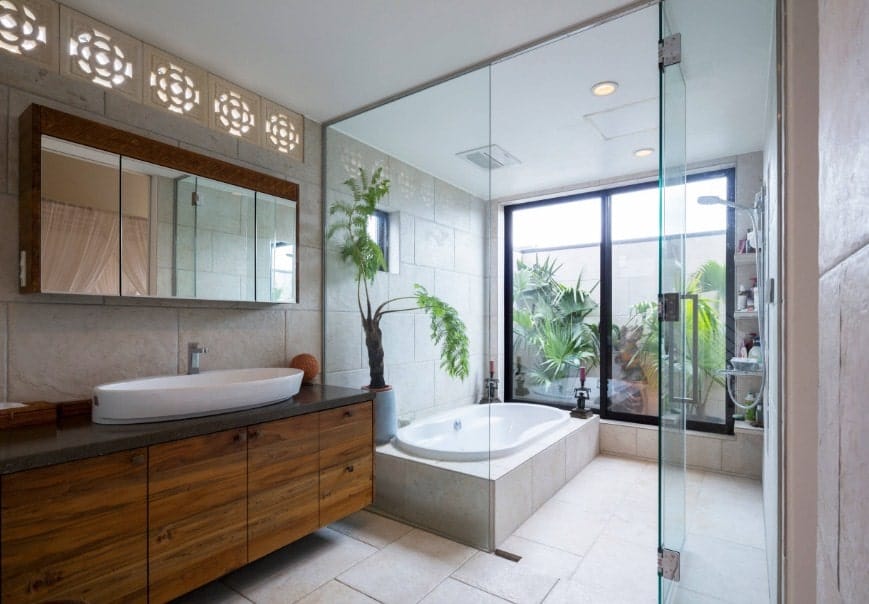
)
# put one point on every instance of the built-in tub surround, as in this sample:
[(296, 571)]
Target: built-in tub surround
[(481, 503), (479, 432)]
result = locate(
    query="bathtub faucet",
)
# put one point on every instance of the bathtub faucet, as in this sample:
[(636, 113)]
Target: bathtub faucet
[(582, 395), (491, 394)]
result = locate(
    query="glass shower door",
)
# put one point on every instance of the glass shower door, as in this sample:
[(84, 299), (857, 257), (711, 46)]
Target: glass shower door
[(677, 386)]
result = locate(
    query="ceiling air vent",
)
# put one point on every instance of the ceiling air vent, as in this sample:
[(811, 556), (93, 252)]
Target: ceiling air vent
[(490, 157)]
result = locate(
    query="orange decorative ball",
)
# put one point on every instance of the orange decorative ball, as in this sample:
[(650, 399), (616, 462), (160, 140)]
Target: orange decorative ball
[(308, 363)]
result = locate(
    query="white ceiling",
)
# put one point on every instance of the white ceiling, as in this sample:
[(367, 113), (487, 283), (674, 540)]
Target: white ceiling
[(542, 110), (326, 58)]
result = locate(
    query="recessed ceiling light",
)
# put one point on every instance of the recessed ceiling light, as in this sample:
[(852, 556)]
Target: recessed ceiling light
[(604, 88), (644, 152)]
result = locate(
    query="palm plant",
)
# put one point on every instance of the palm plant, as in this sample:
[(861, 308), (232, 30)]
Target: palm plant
[(549, 319), (360, 251), (637, 340)]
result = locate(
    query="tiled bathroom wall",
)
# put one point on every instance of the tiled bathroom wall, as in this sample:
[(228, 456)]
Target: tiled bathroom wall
[(57, 347), (441, 241), (843, 315)]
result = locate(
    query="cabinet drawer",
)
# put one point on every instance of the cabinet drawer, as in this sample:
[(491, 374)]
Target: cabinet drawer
[(346, 488), (76, 531), (346, 433)]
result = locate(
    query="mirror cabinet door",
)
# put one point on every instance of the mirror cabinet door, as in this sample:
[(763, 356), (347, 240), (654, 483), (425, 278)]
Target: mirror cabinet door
[(79, 219), (150, 264), (277, 257)]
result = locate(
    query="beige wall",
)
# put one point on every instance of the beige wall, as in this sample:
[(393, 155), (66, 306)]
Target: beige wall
[(59, 347), (799, 308), (843, 316)]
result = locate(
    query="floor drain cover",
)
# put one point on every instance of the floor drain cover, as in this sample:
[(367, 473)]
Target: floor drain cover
[(508, 555)]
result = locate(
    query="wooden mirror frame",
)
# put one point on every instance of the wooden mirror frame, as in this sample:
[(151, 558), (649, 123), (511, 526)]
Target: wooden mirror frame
[(38, 120)]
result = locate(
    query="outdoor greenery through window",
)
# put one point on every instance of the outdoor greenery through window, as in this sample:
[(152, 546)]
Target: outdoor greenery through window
[(587, 265)]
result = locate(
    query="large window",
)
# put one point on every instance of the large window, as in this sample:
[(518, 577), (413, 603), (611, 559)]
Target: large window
[(582, 285)]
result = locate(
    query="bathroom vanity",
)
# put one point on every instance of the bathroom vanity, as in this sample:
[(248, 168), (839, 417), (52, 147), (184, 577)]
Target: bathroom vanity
[(149, 512)]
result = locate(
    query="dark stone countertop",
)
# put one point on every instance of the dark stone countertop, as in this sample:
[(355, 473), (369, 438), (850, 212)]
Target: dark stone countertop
[(78, 438)]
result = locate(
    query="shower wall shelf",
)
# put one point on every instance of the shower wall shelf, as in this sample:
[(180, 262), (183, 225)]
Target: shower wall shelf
[(744, 259), (745, 314)]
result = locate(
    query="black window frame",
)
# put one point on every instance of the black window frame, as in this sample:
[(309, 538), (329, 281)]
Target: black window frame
[(605, 325)]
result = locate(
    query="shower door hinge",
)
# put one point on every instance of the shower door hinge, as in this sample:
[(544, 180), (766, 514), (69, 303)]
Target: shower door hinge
[(194, 198), (668, 564), (670, 51), (668, 307)]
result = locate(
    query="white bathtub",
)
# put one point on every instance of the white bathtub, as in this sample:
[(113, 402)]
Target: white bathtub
[(478, 432)]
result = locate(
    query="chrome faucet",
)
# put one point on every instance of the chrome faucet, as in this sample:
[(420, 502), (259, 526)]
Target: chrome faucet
[(194, 352)]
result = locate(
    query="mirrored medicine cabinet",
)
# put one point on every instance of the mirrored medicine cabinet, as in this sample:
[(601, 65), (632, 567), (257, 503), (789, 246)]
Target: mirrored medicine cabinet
[(110, 213)]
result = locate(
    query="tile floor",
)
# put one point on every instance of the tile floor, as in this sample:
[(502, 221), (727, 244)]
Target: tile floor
[(593, 542)]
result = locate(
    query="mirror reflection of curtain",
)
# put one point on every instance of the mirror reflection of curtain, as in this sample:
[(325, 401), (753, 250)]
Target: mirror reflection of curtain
[(80, 251), (135, 257)]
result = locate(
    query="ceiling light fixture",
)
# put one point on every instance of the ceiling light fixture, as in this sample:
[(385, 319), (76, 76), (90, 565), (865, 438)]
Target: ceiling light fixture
[(644, 152), (604, 88)]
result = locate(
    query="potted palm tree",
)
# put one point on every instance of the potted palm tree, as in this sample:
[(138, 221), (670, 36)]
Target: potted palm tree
[(349, 224)]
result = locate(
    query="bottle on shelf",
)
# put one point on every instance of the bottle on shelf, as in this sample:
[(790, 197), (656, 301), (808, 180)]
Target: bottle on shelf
[(756, 353), (742, 298)]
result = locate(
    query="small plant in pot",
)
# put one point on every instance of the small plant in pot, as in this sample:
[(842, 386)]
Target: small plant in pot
[(349, 224)]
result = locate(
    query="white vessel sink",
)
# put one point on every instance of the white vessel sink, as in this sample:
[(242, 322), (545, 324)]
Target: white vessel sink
[(178, 396)]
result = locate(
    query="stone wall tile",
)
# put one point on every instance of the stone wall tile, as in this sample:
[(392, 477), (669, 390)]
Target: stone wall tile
[(61, 351), (854, 424), (234, 338)]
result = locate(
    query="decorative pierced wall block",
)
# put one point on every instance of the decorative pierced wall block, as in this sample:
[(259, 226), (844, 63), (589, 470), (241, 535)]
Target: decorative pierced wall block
[(175, 85), (282, 130), (233, 109), (28, 29), (95, 52)]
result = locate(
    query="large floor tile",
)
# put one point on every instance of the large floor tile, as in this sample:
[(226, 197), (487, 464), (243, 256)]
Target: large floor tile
[(614, 562), (687, 596), (541, 558), (213, 593), (577, 592), (335, 592), (509, 580), (451, 591), (732, 572), (408, 569), (372, 529), (558, 524), (299, 568)]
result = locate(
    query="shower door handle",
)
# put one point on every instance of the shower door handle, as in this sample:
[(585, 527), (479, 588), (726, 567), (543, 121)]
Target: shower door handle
[(695, 348)]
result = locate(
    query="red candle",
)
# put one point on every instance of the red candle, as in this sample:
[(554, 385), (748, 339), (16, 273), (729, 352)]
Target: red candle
[(582, 374), (491, 367)]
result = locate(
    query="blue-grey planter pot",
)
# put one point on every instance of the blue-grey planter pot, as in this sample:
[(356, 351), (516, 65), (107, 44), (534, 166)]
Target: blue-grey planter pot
[(385, 415)]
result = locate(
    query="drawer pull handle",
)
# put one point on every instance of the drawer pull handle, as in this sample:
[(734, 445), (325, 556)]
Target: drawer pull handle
[(348, 414), (239, 437), (349, 468), (138, 459), (253, 434)]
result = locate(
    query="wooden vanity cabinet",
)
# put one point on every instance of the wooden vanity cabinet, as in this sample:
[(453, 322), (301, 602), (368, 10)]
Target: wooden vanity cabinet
[(197, 511), (76, 531), (283, 483), (346, 461), (153, 524)]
